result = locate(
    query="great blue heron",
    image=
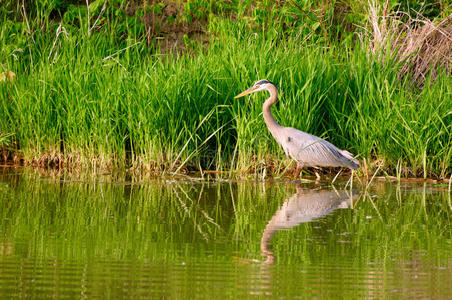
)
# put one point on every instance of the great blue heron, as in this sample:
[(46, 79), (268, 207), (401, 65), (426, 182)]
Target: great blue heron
[(306, 149)]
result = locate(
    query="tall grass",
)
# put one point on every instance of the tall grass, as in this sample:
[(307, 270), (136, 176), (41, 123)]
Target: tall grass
[(81, 99)]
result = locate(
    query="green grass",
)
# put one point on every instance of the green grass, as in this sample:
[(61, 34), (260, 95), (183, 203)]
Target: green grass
[(97, 100)]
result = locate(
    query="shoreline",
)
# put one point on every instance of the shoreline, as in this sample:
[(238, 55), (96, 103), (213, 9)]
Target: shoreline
[(327, 174)]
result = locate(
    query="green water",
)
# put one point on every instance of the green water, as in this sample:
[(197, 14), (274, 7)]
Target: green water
[(86, 239)]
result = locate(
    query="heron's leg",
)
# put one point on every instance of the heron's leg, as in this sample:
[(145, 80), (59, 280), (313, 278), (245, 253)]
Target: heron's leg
[(317, 175), (298, 170)]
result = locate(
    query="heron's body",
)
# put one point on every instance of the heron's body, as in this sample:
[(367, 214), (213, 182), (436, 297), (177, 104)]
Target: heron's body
[(311, 151), (307, 149)]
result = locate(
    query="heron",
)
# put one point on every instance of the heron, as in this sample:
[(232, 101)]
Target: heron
[(306, 149)]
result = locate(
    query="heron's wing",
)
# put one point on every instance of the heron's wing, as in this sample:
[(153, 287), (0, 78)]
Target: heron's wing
[(310, 150)]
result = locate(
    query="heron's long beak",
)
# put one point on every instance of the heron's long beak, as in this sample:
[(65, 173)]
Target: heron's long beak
[(248, 91)]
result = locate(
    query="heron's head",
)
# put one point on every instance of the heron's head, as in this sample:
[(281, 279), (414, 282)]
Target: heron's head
[(258, 86)]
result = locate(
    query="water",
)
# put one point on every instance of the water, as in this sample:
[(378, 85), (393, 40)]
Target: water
[(180, 239)]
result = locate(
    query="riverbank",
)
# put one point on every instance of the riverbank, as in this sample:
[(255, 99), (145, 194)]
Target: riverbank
[(100, 96)]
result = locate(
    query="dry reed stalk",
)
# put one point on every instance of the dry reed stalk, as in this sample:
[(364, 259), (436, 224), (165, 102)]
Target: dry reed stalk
[(422, 47)]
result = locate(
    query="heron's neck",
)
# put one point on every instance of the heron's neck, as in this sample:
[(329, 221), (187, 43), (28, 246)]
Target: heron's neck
[(268, 117)]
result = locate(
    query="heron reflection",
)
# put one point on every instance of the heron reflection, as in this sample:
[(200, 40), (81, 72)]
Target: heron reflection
[(303, 207)]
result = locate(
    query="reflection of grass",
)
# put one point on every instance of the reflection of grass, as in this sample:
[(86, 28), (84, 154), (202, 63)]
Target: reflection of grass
[(79, 221), (378, 229)]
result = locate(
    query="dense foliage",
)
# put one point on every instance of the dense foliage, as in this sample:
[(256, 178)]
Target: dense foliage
[(150, 85)]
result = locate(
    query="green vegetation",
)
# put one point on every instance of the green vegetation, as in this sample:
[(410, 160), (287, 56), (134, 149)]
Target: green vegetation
[(133, 217), (109, 86), (102, 238)]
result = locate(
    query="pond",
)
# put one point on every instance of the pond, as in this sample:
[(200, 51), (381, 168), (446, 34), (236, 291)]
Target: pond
[(104, 238)]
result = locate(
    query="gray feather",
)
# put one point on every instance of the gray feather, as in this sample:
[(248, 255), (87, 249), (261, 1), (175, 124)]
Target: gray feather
[(311, 151)]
